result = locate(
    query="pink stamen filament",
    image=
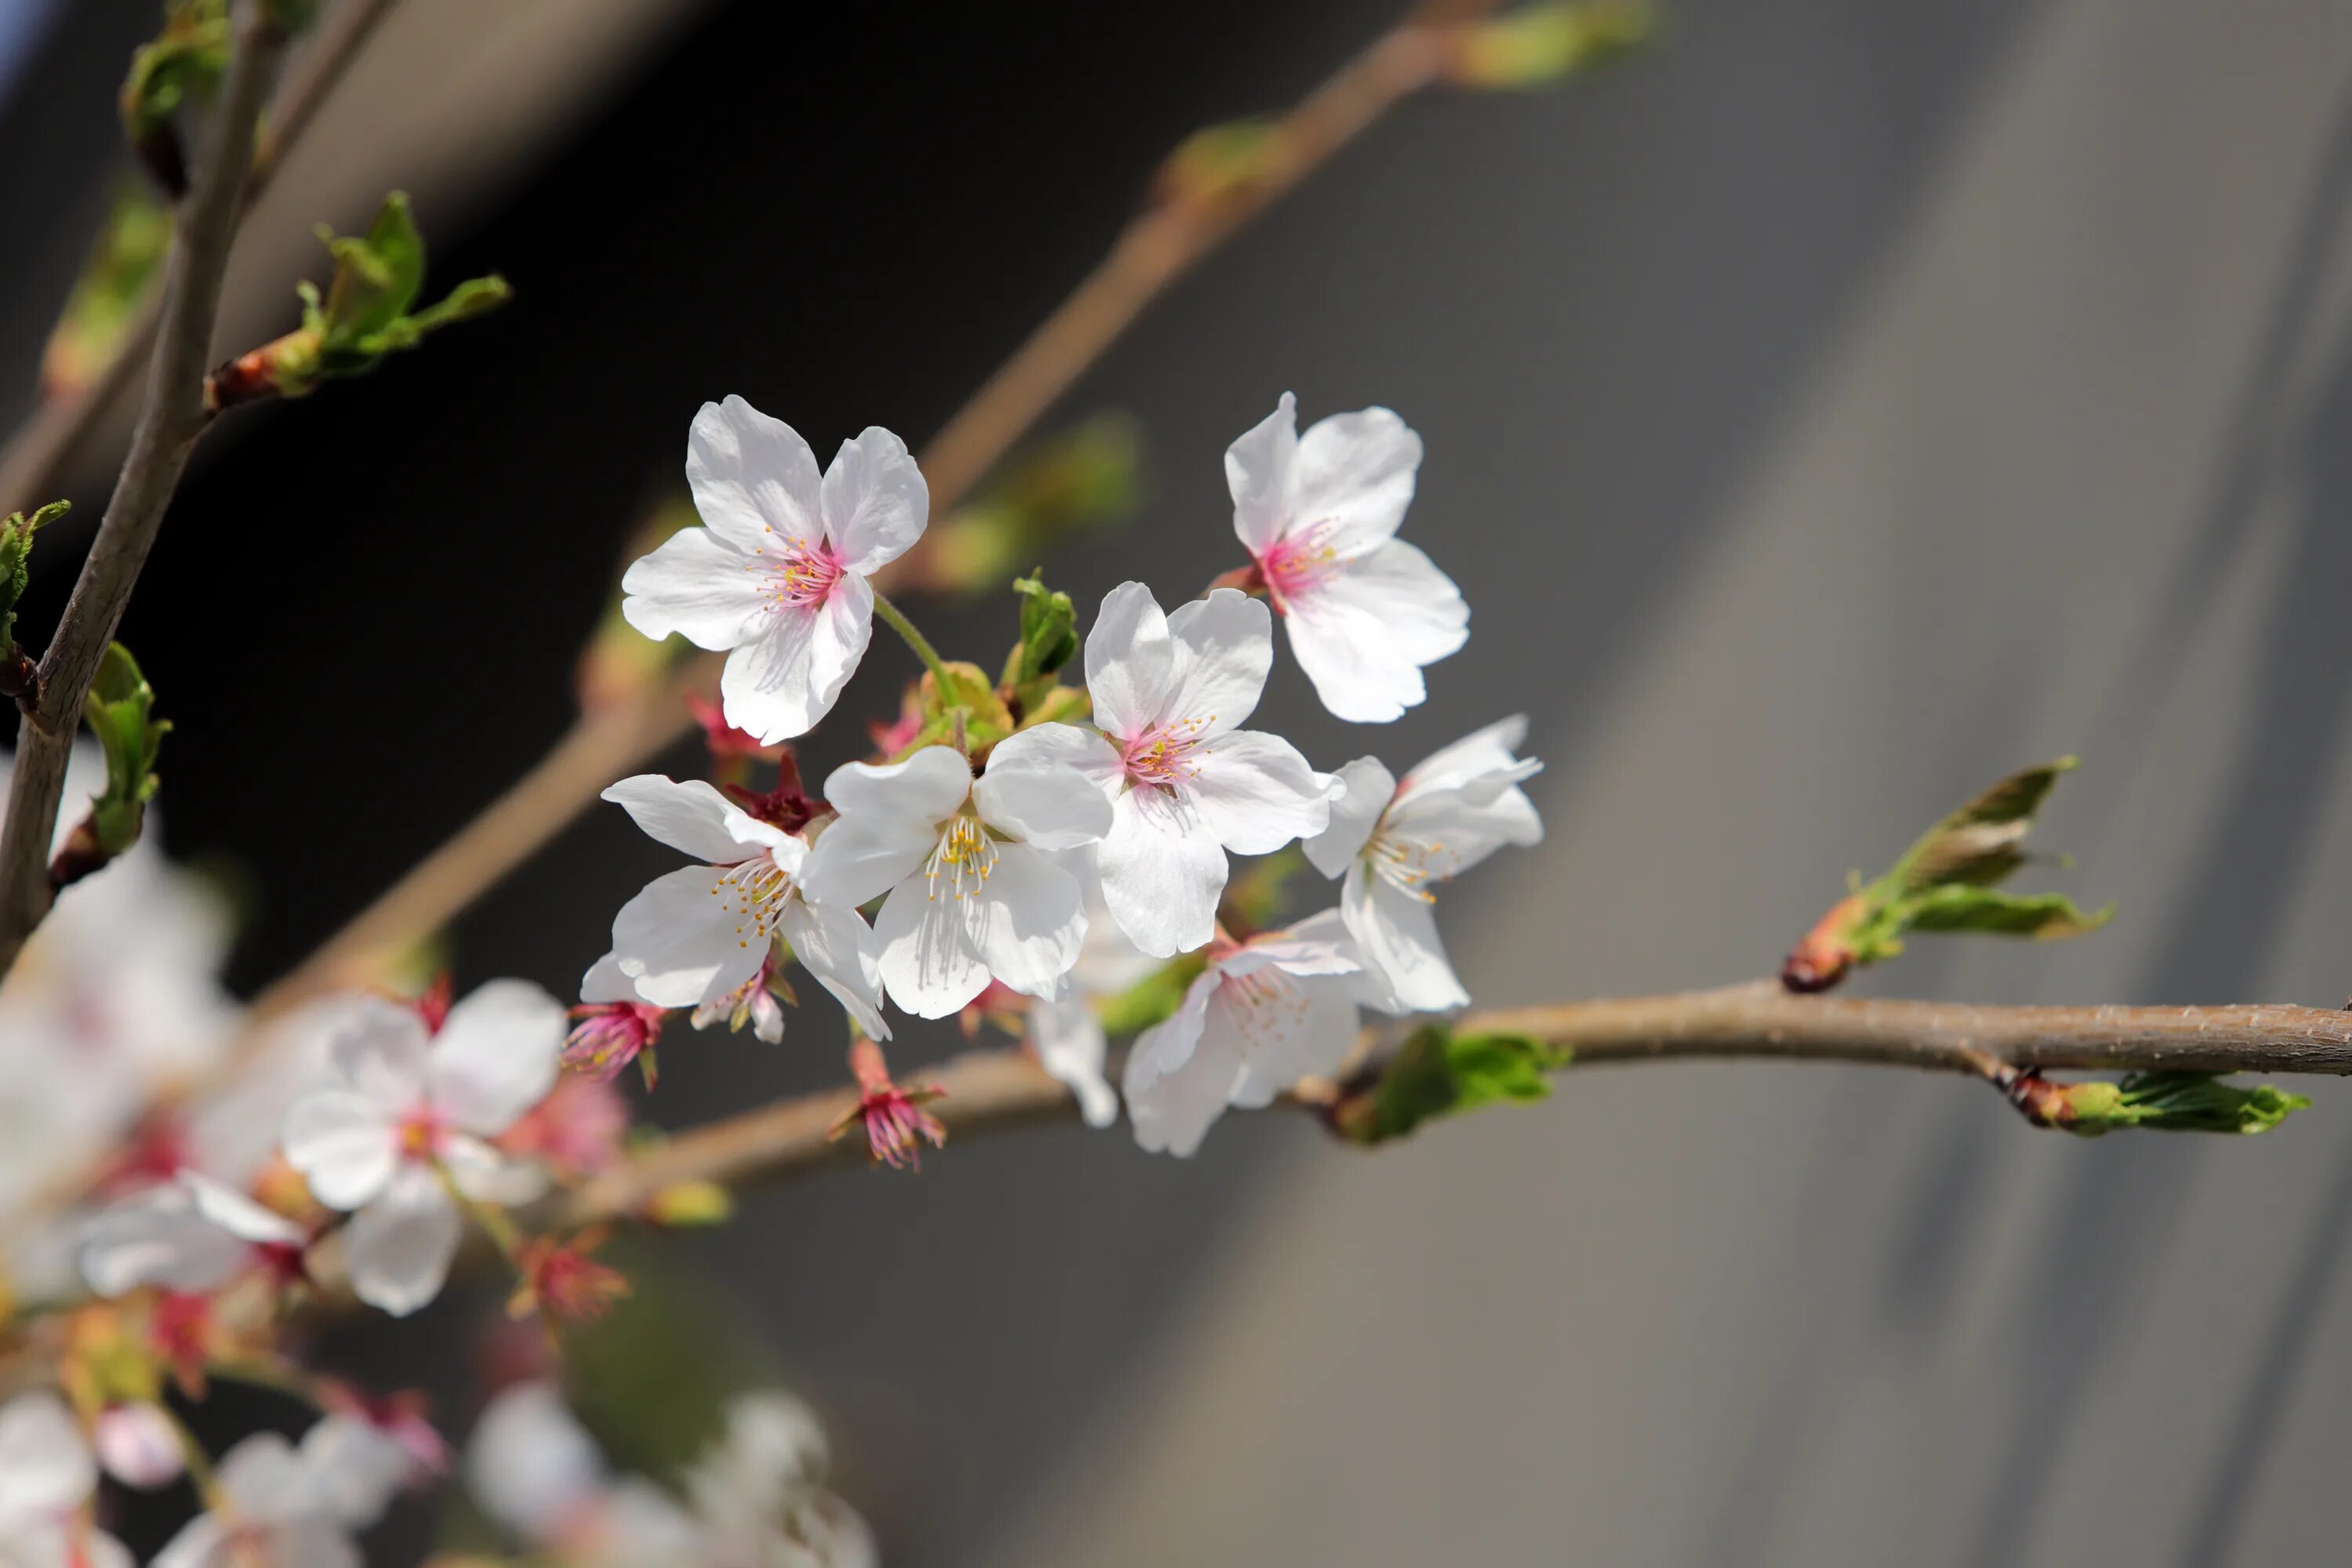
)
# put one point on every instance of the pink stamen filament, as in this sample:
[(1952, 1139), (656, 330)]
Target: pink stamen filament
[(799, 574), (1299, 562), (1164, 757)]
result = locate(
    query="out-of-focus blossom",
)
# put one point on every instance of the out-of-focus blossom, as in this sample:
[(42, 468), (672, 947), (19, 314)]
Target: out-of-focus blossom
[(1318, 514), (191, 1234), (699, 934), (973, 893), (1391, 840), (46, 1477), (413, 1110), (1186, 784), (1264, 1014), (137, 1444), (289, 1507), (776, 576)]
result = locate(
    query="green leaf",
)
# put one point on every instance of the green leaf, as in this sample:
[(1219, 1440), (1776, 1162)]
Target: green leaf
[(16, 534), (182, 63), (1440, 1073), (1152, 999), (1945, 881), (1542, 44), (1049, 633), (120, 711), (2168, 1103), (377, 275)]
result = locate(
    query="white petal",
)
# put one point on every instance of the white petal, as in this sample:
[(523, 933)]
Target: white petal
[(834, 944), (1179, 1076), (45, 1467), (768, 686), (262, 1479), (1043, 786), (530, 1462), (487, 1176), (157, 1238), (1488, 750), (930, 952), (1258, 472), (1355, 812), (202, 1543), (684, 941), (1363, 635), (845, 630), (345, 1144), (379, 1049), (751, 476), (496, 1055), (1256, 793), (859, 858), (607, 981), (1356, 471), (1310, 1033), (1398, 934), (238, 1215), (137, 1445), (696, 585), (1162, 872), (690, 816), (1071, 1045), (1224, 646), (1033, 921), (875, 502), (1131, 662), (398, 1247), (926, 787), (1446, 832), (313, 1543), (353, 1468)]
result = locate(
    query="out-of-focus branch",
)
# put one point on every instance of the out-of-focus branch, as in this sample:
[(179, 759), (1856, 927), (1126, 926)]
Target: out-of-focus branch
[(35, 455), (170, 418), (990, 1091), (1157, 248)]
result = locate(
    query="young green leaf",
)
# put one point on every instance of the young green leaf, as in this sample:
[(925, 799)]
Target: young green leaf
[(120, 711), (17, 533), (1947, 881), (2158, 1101), (181, 63), (1440, 1073), (1539, 44)]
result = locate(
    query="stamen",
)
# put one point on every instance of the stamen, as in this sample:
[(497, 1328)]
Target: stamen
[(1300, 560), (799, 574), (965, 856), (1164, 757), (757, 891)]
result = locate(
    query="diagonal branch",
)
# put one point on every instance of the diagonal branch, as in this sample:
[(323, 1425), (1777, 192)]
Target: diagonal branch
[(170, 418), (993, 1091), (40, 450)]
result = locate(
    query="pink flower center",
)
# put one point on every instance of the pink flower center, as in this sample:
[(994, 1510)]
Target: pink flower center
[(1300, 562), (422, 1132), (801, 573), (1166, 757)]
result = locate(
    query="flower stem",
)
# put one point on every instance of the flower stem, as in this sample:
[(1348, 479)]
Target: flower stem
[(199, 1466), (916, 640)]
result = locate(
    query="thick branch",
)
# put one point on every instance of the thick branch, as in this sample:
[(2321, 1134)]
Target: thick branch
[(989, 1091), (1160, 247), (169, 420), (36, 454)]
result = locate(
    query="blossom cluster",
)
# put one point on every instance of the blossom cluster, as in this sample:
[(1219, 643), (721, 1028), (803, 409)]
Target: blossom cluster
[(1039, 871)]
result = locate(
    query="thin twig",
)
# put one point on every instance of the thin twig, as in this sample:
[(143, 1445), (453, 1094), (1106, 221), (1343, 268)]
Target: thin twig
[(992, 1091), (170, 418), (35, 455), (1157, 249)]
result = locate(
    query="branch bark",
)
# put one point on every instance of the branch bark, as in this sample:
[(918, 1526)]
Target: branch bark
[(1157, 249), (994, 1092), (36, 454), (169, 420)]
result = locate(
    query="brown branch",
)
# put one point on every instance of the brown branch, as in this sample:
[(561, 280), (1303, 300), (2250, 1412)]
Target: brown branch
[(169, 420), (991, 1091), (1156, 249), (34, 457)]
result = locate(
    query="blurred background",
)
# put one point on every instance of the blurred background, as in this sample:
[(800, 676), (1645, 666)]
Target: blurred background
[(1827, 411)]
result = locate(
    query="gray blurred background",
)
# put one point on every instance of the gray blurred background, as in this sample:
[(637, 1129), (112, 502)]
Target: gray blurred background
[(1827, 411)]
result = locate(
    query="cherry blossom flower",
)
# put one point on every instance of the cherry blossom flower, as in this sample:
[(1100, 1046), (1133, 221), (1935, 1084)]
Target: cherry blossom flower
[(137, 1444), (46, 1476), (1186, 784), (895, 1120), (758, 1493), (1318, 514), (291, 1507), (616, 1027), (701, 933), (973, 892), (191, 1233), (415, 1111), (1262, 1015), (1066, 1035), (1391, 840), (776, 578)]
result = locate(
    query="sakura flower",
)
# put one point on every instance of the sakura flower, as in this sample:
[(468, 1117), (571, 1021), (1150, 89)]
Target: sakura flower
[(776, 578), (1318, 513), (616, 1025), (137, 1444), (1066, 1034), (46, 1476), (1392, 839), (191, 1233), (700, 934), (973, 892), (895, 1120), (1186, 784), (759, 1492), (1262, 1015), (415, 1111), (289, 1507)]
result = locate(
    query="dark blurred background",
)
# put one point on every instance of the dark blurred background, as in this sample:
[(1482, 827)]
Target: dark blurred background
[(1827, 411)]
